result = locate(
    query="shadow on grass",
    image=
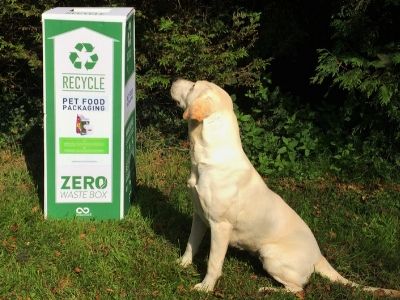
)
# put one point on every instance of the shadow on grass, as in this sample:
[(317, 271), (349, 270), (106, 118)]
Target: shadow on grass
[(166, 220), (174, 226), (32, 146)]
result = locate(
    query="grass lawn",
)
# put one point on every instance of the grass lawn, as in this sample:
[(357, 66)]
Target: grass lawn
[(356, 225)]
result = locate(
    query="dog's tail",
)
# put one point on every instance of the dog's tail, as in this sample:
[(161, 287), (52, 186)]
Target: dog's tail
[(324, 268)]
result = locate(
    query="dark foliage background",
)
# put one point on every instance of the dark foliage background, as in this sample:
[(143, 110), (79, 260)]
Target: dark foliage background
[(315, 83)]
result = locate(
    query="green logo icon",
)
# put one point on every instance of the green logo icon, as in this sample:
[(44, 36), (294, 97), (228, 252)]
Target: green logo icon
[(83, 56)]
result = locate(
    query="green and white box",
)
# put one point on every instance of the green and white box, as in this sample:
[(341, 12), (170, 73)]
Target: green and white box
[(89, 112)]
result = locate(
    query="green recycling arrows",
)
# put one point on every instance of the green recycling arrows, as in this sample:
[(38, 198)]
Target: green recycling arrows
[(77, 57)]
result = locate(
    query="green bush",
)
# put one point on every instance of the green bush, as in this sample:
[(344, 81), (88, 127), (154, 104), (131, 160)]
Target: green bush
[(194, 46), (20, 60), (364, 63), (355, 130), (278, 134)]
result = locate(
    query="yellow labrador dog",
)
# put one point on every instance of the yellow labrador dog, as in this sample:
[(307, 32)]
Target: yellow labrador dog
[(231, 198)]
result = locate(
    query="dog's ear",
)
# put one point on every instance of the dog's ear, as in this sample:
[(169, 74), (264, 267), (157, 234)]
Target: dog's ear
[(199, 109)]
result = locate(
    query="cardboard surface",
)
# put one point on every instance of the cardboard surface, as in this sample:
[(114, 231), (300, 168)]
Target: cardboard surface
[(90, 112)]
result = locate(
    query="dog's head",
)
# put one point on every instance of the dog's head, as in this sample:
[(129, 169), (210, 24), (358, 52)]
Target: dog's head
[(199, 99)]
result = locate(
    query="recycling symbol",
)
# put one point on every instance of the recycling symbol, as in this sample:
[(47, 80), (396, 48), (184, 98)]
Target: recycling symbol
[(83, 56)]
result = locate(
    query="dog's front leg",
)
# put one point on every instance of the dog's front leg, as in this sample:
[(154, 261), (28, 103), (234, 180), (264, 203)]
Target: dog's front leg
[(220, 235), (192, 181), (196, 236)]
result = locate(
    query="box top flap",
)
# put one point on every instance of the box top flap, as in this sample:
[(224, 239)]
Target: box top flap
[(88, 13)]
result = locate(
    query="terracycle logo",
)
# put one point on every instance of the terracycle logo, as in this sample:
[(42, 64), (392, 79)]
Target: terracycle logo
[(83, 56)]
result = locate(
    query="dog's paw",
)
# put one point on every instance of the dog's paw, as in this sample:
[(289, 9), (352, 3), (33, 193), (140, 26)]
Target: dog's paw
[(191, 182), (184, 261), (204, 286), (201, 287)]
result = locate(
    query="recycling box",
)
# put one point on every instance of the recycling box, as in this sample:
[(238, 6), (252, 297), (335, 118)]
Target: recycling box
[(89, 112)]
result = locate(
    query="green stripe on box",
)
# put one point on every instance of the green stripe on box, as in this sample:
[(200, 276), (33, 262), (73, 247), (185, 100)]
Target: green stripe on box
[(84, 145)]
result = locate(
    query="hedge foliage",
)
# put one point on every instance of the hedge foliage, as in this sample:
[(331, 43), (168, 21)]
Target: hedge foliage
[(308, 86)]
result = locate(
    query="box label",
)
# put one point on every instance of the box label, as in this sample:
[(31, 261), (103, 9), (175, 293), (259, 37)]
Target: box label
[(83, 112), (83, 64)]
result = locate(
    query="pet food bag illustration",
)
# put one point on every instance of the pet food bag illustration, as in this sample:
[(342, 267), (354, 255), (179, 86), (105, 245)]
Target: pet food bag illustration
[(83, 125), (89, 112)]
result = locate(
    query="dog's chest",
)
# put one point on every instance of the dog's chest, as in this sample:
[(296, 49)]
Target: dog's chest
[(195, 129), (223, 207), (214, 141), (217, 194)]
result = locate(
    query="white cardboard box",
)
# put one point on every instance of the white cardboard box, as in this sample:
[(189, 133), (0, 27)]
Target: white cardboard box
[(89, 112)]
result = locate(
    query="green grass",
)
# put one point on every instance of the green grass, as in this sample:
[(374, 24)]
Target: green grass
[(357, 227)]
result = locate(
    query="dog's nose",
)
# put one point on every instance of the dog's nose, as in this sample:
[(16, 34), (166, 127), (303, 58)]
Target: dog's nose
[(178, 81), (180, 89), (175, 79), (173, 90)]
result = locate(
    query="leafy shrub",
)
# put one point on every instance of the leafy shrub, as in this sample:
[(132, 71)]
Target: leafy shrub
[(278, 136), (194, 45), (357, 158), (364, 63), (366, 54), (355, 133), (20, 77)]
